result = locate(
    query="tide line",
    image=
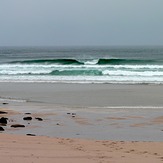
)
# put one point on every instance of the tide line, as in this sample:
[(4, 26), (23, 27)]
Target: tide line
[(9, 99)]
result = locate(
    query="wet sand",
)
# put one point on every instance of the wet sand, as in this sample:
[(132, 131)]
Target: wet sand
[(79, 95), (83, 122)]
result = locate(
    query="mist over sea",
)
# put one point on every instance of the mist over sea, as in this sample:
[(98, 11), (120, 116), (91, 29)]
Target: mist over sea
[(129, 65)]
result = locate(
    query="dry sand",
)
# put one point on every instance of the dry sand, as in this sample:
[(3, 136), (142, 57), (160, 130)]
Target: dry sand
[(28, 149), (119, 113)]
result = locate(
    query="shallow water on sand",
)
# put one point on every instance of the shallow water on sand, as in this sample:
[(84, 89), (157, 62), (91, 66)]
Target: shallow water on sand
[(115, 112)]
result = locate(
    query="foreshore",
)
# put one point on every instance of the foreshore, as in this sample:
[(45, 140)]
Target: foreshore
[(82, 122), (84, 95)]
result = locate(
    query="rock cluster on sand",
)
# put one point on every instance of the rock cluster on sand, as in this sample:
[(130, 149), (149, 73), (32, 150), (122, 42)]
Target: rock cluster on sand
[(72, 114), (4, 121)]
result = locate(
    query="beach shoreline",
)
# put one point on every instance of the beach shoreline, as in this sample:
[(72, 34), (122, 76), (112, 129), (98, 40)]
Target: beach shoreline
[(113, 123), (84, 95), (130, 112)]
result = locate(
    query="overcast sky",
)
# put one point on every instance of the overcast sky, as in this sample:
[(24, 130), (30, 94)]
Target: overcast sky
[(81, 22)]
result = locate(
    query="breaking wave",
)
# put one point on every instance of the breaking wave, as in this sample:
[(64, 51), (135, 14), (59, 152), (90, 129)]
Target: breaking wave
[(108, 61)]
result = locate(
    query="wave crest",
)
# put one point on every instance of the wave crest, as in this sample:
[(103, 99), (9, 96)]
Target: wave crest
[(50, 61), (101, 61)]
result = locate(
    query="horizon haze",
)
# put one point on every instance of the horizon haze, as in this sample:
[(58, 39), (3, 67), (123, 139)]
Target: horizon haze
[(81, 22)]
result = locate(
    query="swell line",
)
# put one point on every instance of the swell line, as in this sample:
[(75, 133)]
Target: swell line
[(48, 61), (101, 61)]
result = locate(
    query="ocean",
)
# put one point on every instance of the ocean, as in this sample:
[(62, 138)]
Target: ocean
[(121, 64)]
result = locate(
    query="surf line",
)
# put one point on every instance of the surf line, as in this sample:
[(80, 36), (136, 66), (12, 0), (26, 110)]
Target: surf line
[(9, 99), (129, 107)]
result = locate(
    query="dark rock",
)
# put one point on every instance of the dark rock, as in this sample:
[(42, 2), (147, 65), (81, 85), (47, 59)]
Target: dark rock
[(57, 124), (3, 120), (27, 118), (27, 113), (5, 103), (68, 113), (2, 129), (73, 116), (39, 119), (30, 134), (17, 125), (73, 113), (3, 112)]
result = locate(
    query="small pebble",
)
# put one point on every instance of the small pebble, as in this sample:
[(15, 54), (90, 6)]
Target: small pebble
[(17, 125), (5, 103), (3, 112), (39, 119), (1, 129), (3, 120), (27, 118), (30, 134)]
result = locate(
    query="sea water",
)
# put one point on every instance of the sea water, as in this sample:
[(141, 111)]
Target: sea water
[(130, 65)]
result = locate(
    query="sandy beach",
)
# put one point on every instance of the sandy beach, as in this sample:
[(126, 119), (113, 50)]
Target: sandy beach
[(44, 149), (81, 122)]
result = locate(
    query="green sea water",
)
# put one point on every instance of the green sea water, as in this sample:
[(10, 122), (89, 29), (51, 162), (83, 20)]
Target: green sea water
[(82, 64)]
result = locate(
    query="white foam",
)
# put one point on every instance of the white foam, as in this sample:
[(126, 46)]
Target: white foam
[(111, 73), (12, 99), (91, 62)]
